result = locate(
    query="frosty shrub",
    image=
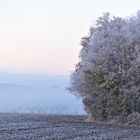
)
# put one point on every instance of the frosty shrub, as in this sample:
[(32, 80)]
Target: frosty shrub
[(107, 78)]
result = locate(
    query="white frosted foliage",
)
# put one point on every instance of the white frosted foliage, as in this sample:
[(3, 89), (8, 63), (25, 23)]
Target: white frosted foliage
[(107, 77)]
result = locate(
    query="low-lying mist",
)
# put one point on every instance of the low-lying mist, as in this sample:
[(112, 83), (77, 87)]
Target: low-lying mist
[(37, 94)]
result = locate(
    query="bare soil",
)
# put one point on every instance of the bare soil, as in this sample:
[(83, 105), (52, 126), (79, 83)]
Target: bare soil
[(51, 127)]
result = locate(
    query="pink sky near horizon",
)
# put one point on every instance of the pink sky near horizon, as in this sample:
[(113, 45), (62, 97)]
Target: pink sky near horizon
[(37, 60)]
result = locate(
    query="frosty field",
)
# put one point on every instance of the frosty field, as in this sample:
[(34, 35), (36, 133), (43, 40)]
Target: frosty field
[(45, 127)]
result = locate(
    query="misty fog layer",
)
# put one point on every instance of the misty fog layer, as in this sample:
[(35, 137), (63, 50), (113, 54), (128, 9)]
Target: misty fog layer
[(37, 94)]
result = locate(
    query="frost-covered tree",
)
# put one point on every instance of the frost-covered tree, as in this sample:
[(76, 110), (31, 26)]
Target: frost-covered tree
[(107, 78)]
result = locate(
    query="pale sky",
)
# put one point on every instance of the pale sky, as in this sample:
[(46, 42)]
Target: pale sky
[(42, 36)]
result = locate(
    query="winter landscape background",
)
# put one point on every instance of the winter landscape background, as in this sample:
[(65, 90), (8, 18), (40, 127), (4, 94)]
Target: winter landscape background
[(43, 38), (37, 94)]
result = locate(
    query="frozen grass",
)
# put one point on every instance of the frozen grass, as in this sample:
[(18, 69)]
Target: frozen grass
[(45, 127)]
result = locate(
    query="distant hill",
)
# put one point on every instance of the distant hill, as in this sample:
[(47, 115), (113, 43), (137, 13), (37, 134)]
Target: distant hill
[(6, 86)]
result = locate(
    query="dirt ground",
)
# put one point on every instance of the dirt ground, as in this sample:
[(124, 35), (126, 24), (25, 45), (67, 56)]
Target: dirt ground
[(51, 127)]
